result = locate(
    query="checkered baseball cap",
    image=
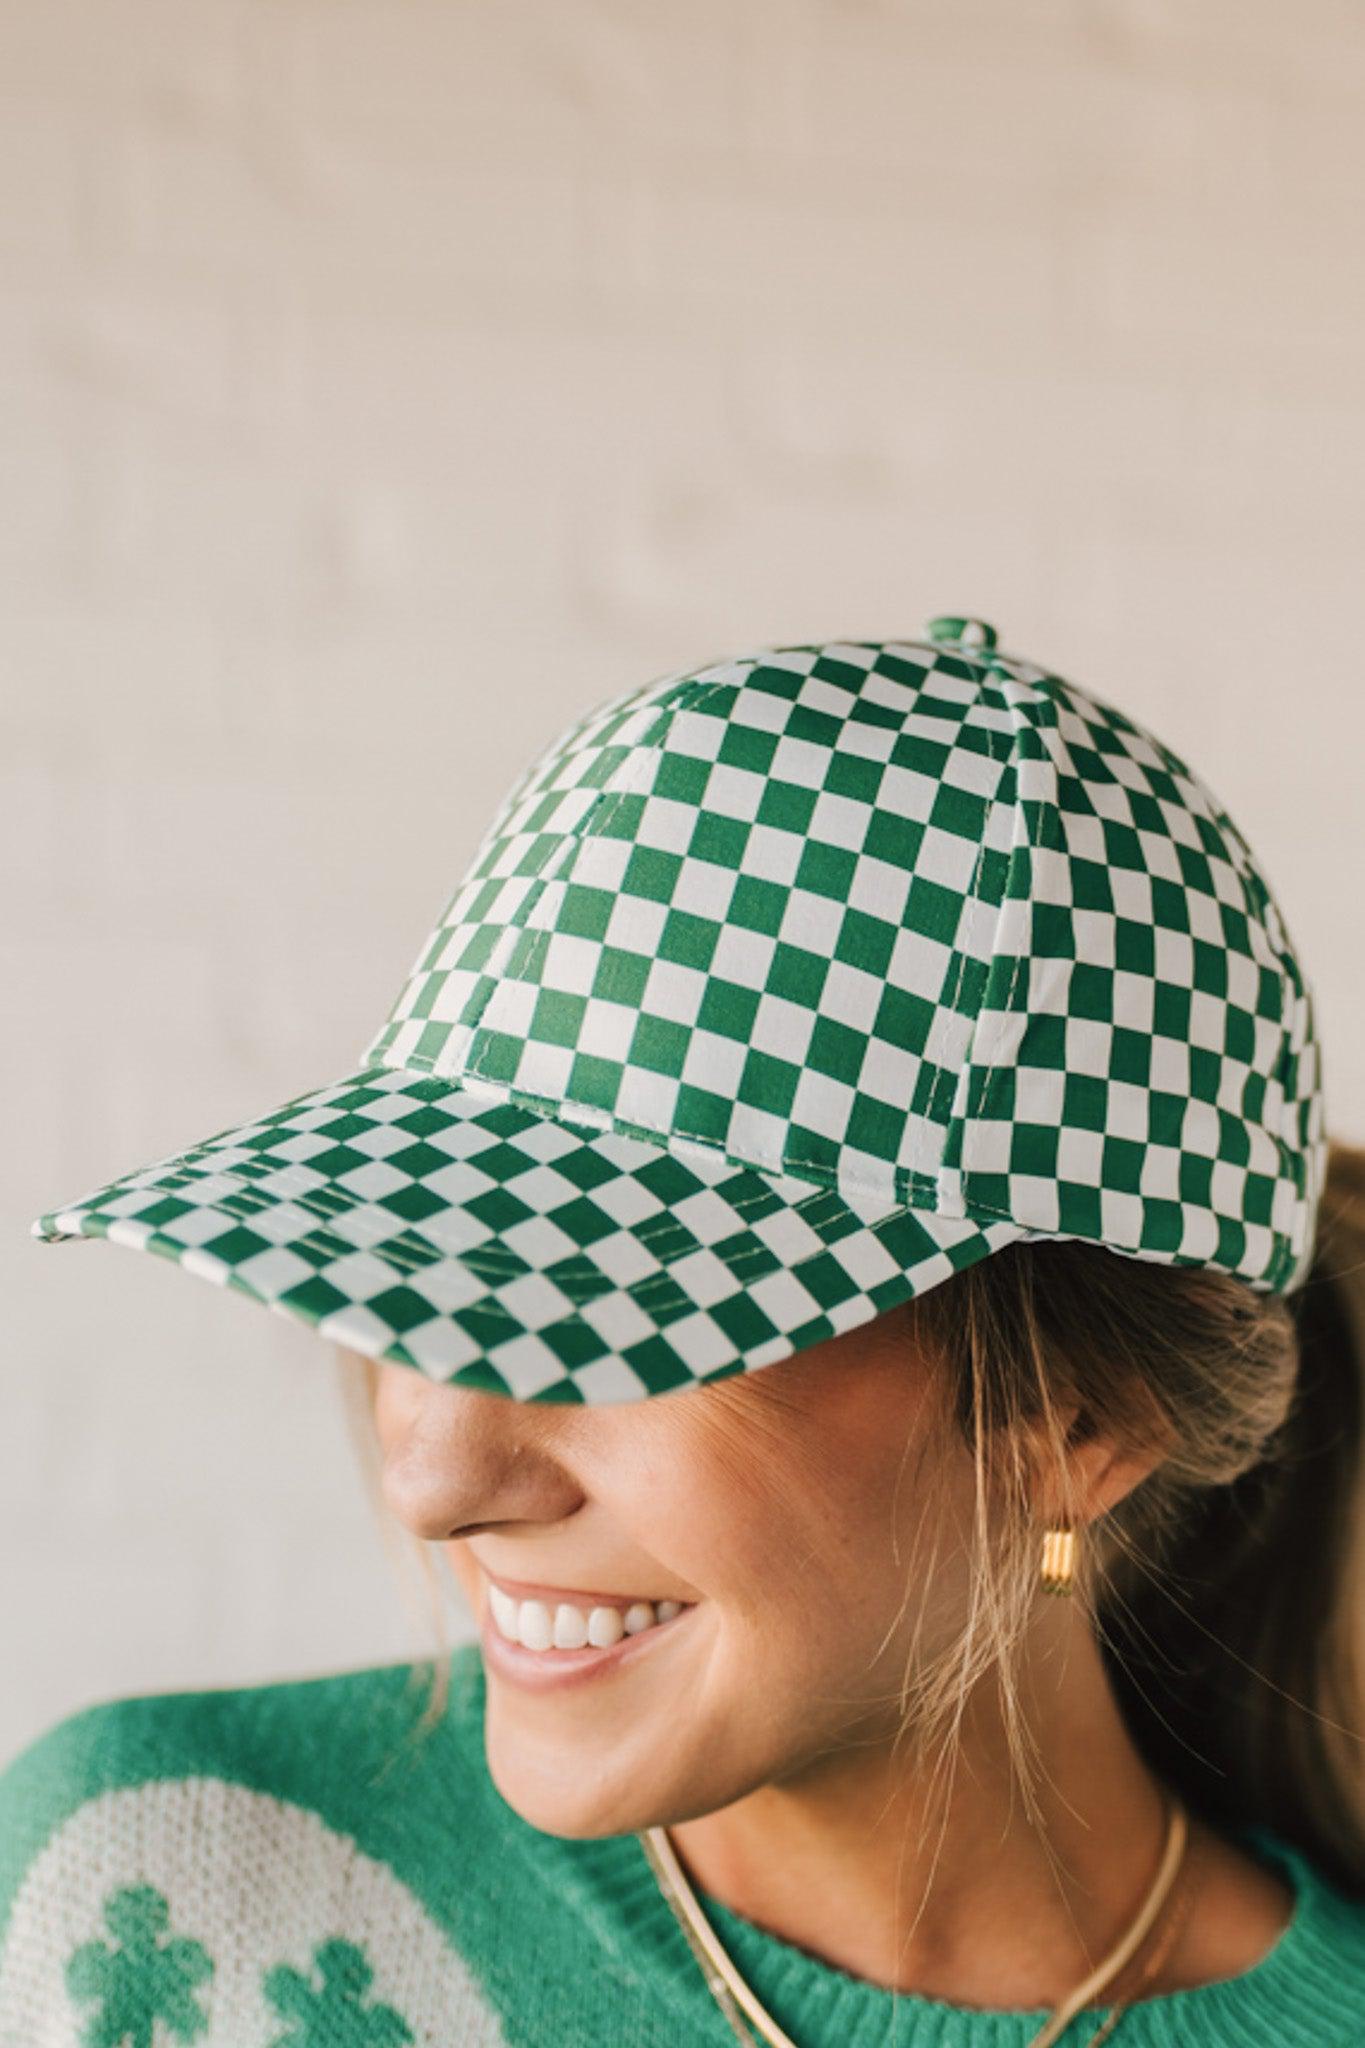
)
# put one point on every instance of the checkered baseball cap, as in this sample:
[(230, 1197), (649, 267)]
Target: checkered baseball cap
[(777, 992)]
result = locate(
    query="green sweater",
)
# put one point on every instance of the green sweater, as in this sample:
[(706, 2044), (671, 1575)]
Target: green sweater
[(294, 1866)]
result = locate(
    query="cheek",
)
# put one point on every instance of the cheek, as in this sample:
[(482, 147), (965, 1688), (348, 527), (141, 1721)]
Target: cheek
[(789, 1559), (826, 1562)]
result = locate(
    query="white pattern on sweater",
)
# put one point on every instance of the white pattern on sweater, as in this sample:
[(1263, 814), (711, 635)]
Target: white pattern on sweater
[(247, 1877)]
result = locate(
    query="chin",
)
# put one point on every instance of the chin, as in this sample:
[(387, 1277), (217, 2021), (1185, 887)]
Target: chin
[(548, 1800)]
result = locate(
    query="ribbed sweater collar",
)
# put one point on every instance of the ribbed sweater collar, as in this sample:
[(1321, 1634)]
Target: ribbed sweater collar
[(1292, 1997)]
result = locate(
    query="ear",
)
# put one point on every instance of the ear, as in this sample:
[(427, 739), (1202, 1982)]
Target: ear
[(1101, 1467)]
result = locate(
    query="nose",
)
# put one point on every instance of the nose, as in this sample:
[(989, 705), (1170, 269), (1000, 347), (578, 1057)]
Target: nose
[(457, 1461)]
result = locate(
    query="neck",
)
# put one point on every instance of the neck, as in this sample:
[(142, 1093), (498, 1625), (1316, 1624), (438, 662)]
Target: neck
[(955, 1891)]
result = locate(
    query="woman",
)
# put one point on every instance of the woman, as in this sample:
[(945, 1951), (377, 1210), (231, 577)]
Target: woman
[(847, 1167)]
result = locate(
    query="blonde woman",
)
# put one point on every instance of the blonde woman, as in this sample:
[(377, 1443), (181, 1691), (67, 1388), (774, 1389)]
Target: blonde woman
[(839, 1248)]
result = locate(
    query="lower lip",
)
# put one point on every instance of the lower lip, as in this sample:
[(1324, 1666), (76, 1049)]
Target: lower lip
[(548, 1670)]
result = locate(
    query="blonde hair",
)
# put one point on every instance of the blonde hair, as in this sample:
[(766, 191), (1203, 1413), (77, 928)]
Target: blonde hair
[(1227, 1589)]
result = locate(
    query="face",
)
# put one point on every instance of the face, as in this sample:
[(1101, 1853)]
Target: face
[(787, 1513)]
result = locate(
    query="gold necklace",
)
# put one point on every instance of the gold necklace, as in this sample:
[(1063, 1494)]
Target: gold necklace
[(739, 2004)]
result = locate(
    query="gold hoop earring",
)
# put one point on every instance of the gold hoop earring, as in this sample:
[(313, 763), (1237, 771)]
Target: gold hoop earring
[(1059, 1560)]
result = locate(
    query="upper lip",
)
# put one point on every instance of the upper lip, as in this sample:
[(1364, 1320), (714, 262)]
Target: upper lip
[(573, 1596)]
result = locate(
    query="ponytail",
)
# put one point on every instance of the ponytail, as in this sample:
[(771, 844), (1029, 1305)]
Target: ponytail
[(1243, 1676)]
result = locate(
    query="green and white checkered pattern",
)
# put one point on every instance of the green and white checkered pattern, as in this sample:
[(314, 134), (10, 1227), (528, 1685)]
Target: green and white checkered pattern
[(776, 992)]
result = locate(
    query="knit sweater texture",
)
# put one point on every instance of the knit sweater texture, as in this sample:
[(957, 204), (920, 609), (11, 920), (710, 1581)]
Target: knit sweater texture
[(299, 1866)]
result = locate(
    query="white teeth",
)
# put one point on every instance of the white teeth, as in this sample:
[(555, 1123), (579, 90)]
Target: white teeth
[(571, 1628), (534, 1627), (537, 1626), (504, 1612), (604, 1627)]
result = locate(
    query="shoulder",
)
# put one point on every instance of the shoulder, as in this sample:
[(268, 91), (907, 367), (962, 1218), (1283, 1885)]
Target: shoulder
[(256, 1848), (326, 1743), (1314, 1972)]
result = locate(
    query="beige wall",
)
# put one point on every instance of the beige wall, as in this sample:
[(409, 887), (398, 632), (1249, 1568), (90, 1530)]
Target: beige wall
[(384, 384)]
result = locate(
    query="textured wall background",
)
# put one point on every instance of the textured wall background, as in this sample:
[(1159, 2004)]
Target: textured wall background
[(384, 384)]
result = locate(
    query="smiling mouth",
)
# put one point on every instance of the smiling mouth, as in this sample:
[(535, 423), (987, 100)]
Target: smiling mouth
[(549, 1624)]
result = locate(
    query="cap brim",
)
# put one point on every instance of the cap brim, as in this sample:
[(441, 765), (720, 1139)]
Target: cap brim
[(497, 1246)]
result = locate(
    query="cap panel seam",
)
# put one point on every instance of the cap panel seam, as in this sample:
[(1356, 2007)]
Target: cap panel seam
[(1022, 840), (915, 1165)]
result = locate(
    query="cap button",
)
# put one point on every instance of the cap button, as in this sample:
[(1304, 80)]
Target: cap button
[(959, 632)]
